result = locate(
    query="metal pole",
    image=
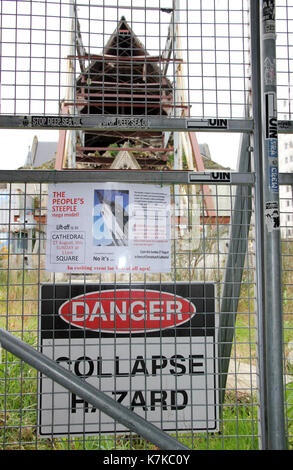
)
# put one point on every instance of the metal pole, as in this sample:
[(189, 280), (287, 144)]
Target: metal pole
[(89, 393), (259, 225), (177, 92), (72, 84), (272, 246)]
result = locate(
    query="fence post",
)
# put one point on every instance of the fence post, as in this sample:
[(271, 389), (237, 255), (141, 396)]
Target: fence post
[(272, 244), (259, 222)]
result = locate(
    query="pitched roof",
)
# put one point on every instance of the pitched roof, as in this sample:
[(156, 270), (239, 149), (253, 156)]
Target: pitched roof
[(123, 41), (40, 153), (125, 65)]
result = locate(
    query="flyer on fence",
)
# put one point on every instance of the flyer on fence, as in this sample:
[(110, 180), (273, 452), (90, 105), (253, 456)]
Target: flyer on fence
[(104, 227)]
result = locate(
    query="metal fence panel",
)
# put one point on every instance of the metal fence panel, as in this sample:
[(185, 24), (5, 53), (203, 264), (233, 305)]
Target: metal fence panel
[(138, 365), (135, 86), (286, 246), (213, 43)]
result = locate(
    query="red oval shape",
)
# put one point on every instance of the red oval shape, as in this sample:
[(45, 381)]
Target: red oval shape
[(123, 311)]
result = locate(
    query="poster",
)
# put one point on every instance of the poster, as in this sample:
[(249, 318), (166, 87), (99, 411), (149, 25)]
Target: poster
[(104, 227)]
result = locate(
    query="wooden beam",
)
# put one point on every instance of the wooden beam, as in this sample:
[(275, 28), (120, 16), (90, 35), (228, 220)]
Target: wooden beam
[(109, 160), (127, 104), (59, 162), (133, 85), (128, 149), (60, 150), (208, 198), (120, 58), (120, 95)]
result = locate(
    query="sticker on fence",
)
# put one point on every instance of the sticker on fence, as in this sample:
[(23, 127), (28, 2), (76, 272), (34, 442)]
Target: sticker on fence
[(152, 348), (271, 118), (108, 227), (272, 215)]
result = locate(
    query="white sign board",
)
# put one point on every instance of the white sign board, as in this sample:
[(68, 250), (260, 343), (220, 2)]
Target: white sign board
[(108, 227), (166, 372)]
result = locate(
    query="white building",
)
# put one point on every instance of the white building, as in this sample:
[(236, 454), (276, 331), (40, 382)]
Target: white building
[(285, 143), (16, 221)]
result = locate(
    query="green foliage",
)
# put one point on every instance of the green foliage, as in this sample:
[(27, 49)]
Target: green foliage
[(18, 399), (289, 413), (18, 382)]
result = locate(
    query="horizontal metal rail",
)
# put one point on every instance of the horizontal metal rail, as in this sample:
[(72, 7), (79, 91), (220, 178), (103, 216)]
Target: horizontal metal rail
[(133, 123), (124, 123), (129, 176), (89, 393)]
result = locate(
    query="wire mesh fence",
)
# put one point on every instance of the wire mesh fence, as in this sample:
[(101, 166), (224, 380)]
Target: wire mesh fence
[(204, 72), (36, 413), (170, 325), (209, 59), (286, 244)]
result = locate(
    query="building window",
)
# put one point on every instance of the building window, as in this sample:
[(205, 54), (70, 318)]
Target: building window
[(21, 241)]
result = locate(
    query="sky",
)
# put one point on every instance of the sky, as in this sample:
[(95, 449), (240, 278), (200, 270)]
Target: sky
[(36, 41), (16, 144)]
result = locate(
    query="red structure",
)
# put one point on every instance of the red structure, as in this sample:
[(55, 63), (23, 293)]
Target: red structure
[(125, 80)]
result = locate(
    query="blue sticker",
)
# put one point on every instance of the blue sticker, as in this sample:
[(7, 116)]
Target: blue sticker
[(274, 179), (273, 148)]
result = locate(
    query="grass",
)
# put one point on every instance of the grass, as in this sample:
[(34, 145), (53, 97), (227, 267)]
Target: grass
[(18, 423), (19, 394)]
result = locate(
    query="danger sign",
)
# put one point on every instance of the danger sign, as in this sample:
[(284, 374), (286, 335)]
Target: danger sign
[(150, 347), (122, 311)]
